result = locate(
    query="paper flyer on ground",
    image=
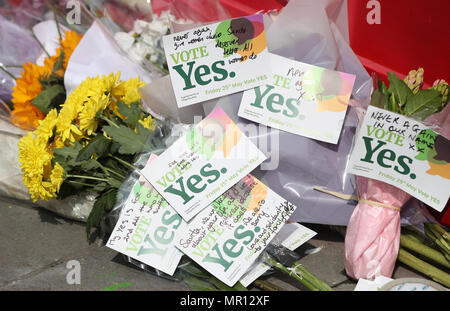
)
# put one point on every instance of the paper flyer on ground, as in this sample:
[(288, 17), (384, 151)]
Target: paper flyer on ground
[(209, 159), (147, 227), (227, 237), (301, 99), (217, 59), (404, 153)]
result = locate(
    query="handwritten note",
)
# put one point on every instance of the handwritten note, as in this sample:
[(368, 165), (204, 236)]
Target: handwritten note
[(227, 237), (204, 163), (147, 227), (217, 59), (404, 153), (301, 99)]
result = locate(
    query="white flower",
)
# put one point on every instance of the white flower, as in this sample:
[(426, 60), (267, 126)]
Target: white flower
[(124, 40)]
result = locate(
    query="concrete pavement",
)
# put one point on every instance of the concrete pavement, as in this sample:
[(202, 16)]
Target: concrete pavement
[(37, 248)]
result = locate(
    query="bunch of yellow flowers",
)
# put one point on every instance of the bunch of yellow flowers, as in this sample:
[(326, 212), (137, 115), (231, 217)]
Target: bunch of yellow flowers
[(69, 145)]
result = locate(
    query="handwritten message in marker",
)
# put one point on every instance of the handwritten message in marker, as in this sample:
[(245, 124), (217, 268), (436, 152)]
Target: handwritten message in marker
[(404, 153), (301, 99), (217, 59)]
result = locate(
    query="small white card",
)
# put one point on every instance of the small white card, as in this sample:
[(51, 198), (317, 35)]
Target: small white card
[(204, 163), (301, 99), (147, 228), (404, 153), (217, 59), (226, 238)]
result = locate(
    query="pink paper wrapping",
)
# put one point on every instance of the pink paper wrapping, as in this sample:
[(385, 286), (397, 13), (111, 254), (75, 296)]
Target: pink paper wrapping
[(373, 232)]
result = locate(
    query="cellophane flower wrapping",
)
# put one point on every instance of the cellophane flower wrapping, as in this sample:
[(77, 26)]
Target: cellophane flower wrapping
[(373, 232)]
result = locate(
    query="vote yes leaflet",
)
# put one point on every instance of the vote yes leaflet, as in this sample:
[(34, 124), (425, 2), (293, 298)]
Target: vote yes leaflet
[(217, 59), (201, 165)]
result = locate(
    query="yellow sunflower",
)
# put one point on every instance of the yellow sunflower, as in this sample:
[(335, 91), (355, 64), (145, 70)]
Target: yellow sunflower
[(28, 86), (25, 115)]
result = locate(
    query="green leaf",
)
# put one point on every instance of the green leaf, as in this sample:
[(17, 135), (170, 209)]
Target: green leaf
[(51, 97), (114, 183), (98, 145), (423, 104), (59, 63), (130, 141), (104, 203), (378, 99), (66, 156), (131, 113), (101, 186), (399, 89), (89, 165)]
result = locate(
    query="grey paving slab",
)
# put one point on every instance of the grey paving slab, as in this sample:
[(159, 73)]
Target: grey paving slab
[(100, 270), (328, 262), (32, 239)]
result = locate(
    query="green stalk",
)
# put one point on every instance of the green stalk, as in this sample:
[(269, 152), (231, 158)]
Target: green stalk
[(309, 280), (424, 250), (437, 240), (124, 162), (40, 43), (7, 72), (439, 232), (445, 234), (266, 285), (423, 267), (86, 177), (78, 183), (115, 173)]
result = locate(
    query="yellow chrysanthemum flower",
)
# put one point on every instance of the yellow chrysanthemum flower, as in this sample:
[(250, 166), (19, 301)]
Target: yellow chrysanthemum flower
[(148, 123), (87, 116), (46, 126), (33, 155), (42, 180), (65, 128), (128, 91)]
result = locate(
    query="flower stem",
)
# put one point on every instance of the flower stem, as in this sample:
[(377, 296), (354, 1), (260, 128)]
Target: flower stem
[(266, 285), (114, 172), (7, 71), (109, 121), (301, 274), (423, 267), (40, 43), (86, 177), (124, 162), (424, 250), (78, 183), (57, 25)]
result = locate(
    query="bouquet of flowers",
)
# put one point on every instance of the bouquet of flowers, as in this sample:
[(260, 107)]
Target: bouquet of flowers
[(89, 144), (373, 232)]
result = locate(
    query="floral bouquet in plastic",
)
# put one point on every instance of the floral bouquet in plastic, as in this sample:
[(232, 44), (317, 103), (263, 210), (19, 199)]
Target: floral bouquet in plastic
[(373, 232)]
